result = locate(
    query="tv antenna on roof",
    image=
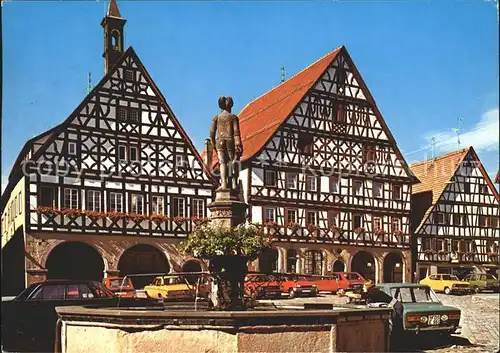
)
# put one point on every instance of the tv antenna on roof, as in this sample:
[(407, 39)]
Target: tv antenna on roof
[(283, 74), (433, 145), (458, 131)]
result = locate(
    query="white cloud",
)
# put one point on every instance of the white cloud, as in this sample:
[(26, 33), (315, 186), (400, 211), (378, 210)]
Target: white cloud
[(483, 136)]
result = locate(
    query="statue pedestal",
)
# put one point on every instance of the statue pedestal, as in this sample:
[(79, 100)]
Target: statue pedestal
[(227, 209)]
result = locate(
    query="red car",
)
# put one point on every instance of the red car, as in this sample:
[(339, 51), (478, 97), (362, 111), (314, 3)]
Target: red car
[(262, 286), (349, 281), (298, 285), (330, 283), (120, 287)]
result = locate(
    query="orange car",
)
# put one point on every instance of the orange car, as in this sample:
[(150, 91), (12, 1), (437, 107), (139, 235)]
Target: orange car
[(120, 286)]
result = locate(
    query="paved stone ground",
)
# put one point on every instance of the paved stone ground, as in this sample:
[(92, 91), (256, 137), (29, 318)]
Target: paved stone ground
[(479, 322)]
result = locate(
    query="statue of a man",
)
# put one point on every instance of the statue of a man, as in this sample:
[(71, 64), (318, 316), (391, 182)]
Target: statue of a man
[(226, 140)]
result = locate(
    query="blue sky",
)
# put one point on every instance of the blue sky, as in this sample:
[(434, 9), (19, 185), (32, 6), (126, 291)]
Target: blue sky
[(426, 63)]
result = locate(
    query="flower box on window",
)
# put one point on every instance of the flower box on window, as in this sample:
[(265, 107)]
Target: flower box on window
[(429, 252), (137, 217), (312, 227), (442, 252), (359, 230), (159, 218), (293, 226), (398, 233), (492, 254), (116, 216)]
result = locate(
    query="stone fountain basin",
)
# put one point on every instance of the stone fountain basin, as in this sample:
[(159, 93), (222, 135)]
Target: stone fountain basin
[(263, 329)]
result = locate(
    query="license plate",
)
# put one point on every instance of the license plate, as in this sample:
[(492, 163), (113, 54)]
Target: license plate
[(434, 319), (306, 291)]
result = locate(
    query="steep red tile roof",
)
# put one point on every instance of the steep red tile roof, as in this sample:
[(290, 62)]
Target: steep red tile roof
[(434, 174), (260, 118)]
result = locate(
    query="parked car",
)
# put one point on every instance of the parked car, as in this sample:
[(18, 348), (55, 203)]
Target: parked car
[(422, 309), (446, 283), (29, 320), (482, 281), (350, 281), (120, 286), (329, 283), (260, 286), (298, 285), (176, 287)]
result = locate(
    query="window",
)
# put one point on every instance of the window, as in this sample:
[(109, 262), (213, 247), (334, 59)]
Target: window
[(459, 220), (335, 185), (484, 221), (439, 245), (439, 218), (333, 218), (466, 187), (49, 292), (358, 188), (356, 221), (377, 223), (369, 154), (291, 260), (341, 112), (291, 216), (20, 203), (426, 244), (134, 154), (494, 222), (396, 192), (157, 204), (72, 148), (396, 224), (311, 183), (47, 196), (377, 189), (178, 207), (133, 116), (484, 189), (291, 181), (270, 178), (129, 75), (198, 208), (122, 153), (305, 143), (269, 214), (70, 198), (137, 205), (454, 245), (115, 202), (93, 200), (311, 217), (122, 114), (313, 262)]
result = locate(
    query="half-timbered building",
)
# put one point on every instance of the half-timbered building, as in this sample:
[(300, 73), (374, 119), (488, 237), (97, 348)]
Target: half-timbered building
[(322, 171), (109, 191), (456, 214)]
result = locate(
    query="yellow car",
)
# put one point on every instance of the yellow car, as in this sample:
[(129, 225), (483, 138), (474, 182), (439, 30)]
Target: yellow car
[(175, 287), (446, 283)]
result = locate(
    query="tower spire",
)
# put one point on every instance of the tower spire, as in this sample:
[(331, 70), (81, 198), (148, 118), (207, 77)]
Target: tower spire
[(112, 24)]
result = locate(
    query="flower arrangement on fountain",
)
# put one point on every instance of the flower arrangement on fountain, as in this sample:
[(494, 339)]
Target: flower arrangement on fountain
[(228, 250)]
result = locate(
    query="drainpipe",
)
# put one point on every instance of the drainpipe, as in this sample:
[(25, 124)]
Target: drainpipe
[(57, 342)]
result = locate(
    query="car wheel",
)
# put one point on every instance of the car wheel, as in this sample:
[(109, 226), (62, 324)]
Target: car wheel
[(476, 289), (447, 291), (340, 292), (253, 295), (291, 293)]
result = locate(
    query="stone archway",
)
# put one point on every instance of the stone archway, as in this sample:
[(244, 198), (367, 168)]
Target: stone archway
[(393, 268), (338, 266), (364, 263), (142, 259), (75, 260), (268, 261)]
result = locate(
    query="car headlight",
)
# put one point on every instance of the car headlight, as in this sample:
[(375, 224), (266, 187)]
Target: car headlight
[(314, 285), (298, 286), (281, 288), (423, 319), (444, 317)]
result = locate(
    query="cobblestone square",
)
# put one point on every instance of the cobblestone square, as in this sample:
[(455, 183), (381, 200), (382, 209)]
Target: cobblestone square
[(479, 323)]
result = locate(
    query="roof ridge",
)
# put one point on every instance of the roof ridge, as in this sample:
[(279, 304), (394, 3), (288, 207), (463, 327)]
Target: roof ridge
[(449, 154), (288, 79)]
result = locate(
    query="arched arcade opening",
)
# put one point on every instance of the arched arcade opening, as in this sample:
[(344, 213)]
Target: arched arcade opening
[(143, 259), (268, 261), (75, 260), (338, 266), (192, 266), (393, 268), (364, 264)]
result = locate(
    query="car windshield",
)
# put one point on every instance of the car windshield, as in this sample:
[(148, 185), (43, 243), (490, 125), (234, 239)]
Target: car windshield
[(99, 291), (449, 278), (415, 295), (119, 282), (352, 276), (490, 276)]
